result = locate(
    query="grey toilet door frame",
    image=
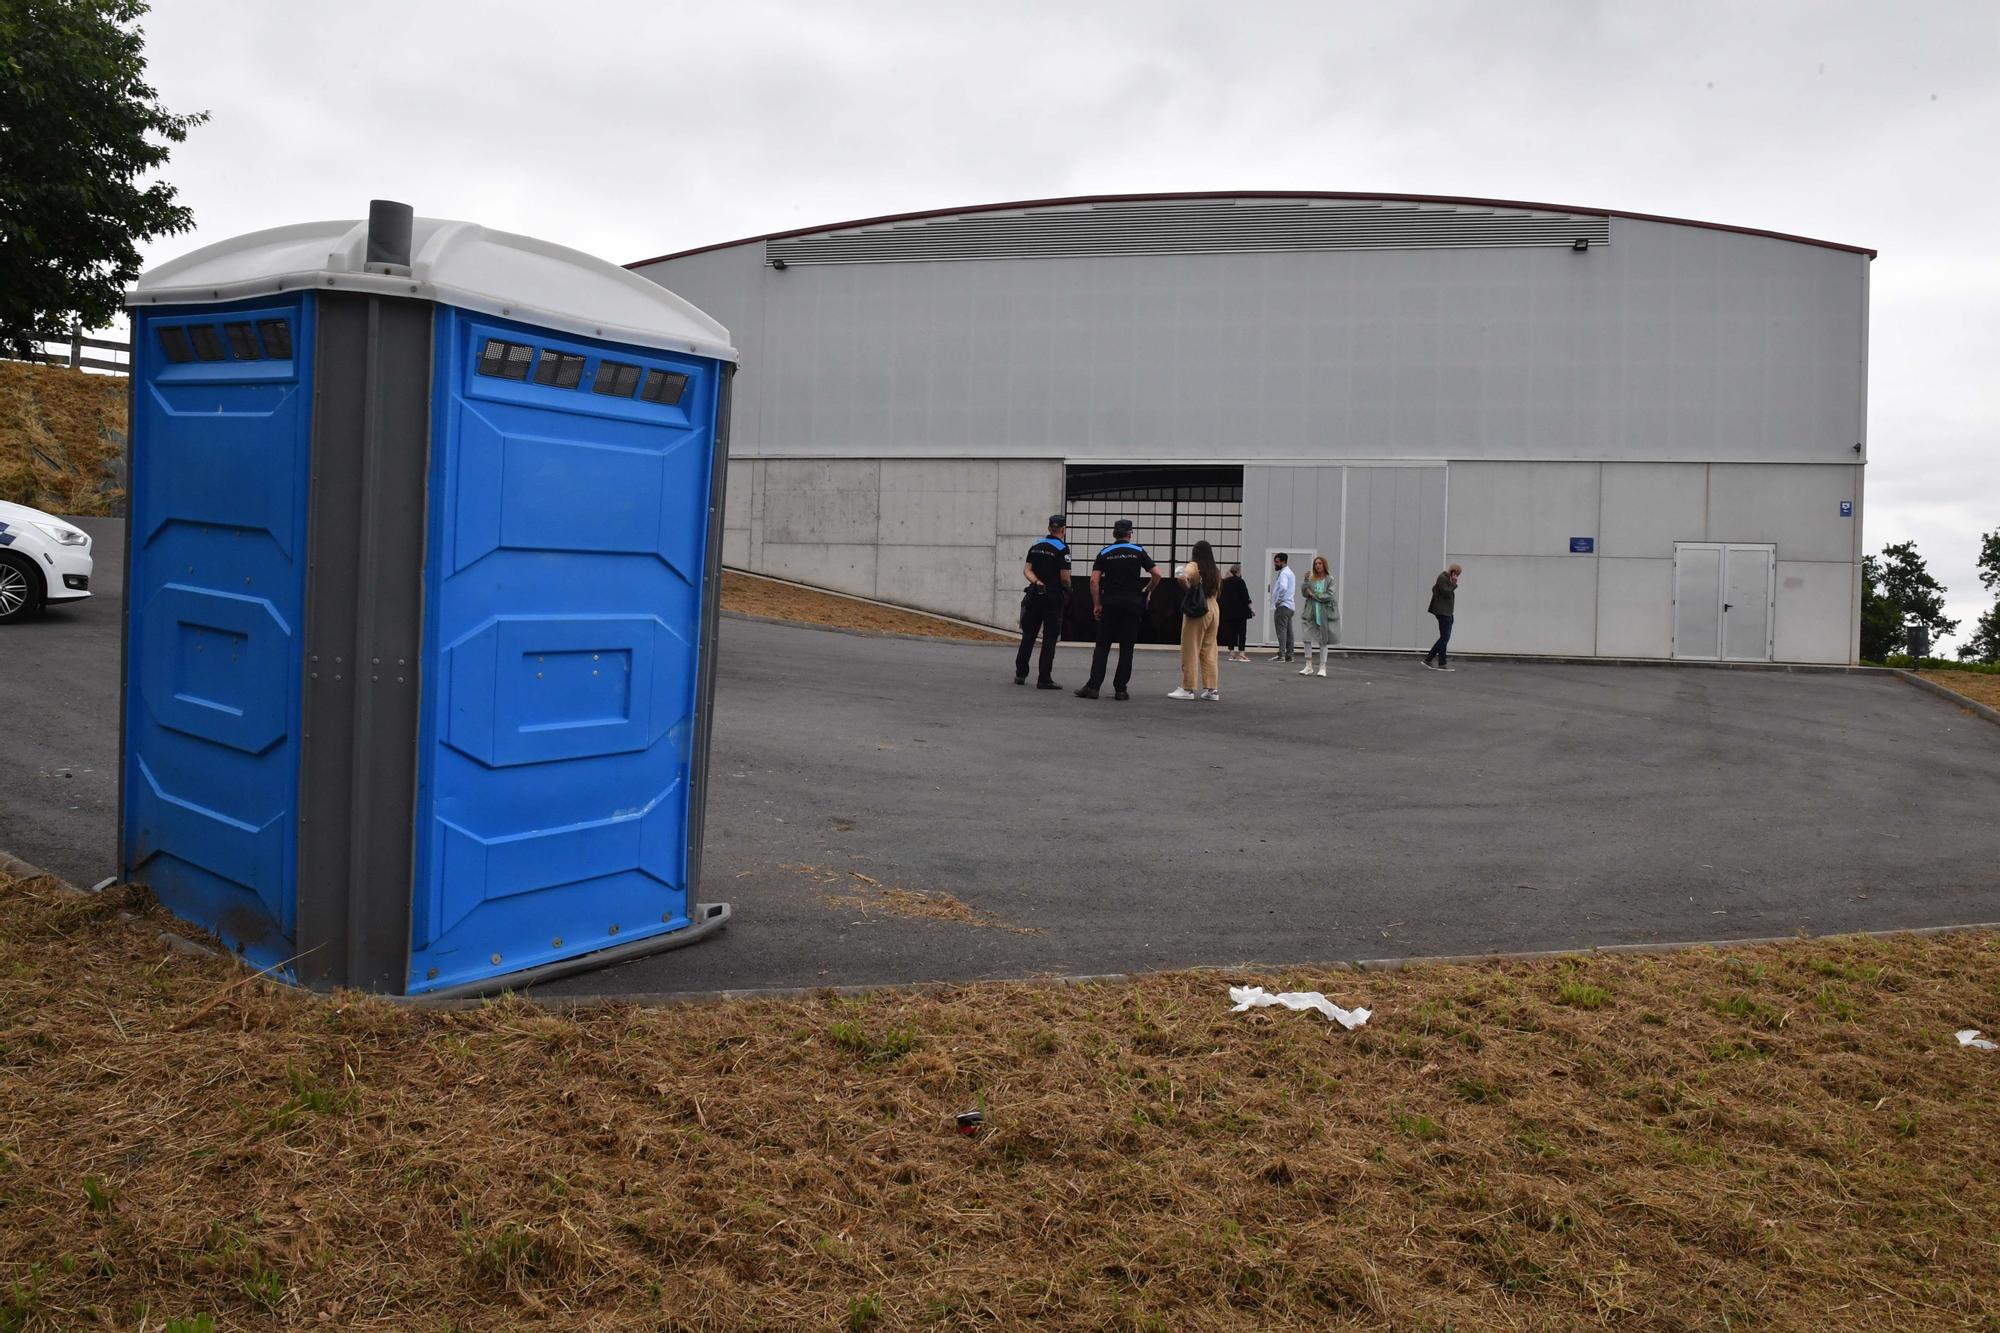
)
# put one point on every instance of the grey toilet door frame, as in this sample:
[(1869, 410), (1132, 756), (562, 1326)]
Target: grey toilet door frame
[(1724, 607)]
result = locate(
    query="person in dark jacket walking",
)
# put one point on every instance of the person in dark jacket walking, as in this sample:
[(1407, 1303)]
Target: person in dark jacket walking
[(1236, 614), (1043, 602), (1444, 605)]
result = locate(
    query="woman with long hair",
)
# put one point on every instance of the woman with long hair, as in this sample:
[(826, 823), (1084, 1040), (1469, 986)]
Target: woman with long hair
[(1201, 584), (1321, 614)]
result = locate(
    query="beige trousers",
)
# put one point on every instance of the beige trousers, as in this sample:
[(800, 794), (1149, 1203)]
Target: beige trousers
[(1198, 649)]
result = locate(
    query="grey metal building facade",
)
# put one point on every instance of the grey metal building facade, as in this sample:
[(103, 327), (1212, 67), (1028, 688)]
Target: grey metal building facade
[(1621, 425)]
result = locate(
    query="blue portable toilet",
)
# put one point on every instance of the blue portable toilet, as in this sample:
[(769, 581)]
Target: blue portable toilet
[(425, 529)]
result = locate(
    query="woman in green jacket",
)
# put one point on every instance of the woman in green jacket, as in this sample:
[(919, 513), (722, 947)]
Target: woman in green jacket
[(1321, 614)]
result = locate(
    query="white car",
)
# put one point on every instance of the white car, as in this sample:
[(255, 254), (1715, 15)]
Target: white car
[(42, 560)]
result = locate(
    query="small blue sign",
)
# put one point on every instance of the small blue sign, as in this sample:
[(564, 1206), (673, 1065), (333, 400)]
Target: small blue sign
[(1847, 509), (1582, 545)]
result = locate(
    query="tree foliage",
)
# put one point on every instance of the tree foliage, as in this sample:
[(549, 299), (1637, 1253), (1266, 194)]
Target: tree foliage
[(1881, 620), (79, 128), (1898, 590), (1984, 645)]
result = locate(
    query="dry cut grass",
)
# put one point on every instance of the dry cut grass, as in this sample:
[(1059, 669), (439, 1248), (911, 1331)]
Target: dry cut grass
[(754, 596), (1784, 1138), (1975, 685), (61, 434)]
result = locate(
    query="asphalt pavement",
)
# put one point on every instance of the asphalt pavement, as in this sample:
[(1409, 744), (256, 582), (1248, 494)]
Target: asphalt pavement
[(1383, 811)]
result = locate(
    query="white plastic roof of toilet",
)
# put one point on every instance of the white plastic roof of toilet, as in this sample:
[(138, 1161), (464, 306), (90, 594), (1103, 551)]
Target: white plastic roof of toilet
[(453, 263)]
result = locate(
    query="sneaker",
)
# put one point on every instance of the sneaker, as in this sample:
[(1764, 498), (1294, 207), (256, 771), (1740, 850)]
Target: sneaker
[(1086, 692), (1121, 696), (1322, 671), (1020, 680), (1180, 694), (1306, 670), (1446, 668), (1209, 696), (1430, 666)]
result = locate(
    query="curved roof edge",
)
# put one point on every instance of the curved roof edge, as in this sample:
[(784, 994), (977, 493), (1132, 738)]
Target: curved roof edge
[(454, 263), (1072, 200)]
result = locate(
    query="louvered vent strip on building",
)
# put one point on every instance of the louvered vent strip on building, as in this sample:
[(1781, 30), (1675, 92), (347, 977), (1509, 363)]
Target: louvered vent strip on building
[(1189, 228)]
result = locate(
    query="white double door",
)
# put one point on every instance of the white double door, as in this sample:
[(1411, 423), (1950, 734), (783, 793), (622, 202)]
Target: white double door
[(1724, 601)]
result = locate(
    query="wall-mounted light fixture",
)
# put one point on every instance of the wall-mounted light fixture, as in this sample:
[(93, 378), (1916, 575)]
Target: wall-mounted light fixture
[(778, 264), (1580, 244)]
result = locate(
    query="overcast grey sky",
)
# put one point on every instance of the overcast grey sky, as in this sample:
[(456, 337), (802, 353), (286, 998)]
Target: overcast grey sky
[(638, 127)]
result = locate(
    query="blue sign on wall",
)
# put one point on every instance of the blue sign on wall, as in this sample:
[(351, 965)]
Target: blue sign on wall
[(1847, 509), (1582, 545)]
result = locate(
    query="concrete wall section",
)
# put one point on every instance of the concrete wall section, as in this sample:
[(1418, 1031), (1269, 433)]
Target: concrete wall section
[(942, 535), (1525, 591), (1812, 606), (1393, 547), (1635, 607), (948, 535), (1522, 508), (1526, 604), (822, 500), (1380, 528), (1797, 508), (1647, 507), (844, 567)]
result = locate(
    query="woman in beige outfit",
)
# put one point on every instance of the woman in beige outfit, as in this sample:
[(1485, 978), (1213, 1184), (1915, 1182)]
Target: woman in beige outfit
[(1200, 677)]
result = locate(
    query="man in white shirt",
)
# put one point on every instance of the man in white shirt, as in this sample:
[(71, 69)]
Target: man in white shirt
[(1284, 602)]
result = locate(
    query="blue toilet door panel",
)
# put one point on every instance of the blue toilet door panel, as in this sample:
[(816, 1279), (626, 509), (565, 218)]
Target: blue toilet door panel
[(218, 493), (568, 536)]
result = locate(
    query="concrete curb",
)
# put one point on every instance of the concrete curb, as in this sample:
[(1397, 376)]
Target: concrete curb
[(1343, 654), (665, 999), (19, 869), (1552, 659), (1973, 706)]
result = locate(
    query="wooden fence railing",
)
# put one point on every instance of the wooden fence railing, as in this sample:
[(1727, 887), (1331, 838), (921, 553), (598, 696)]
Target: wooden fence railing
[(72, 346)]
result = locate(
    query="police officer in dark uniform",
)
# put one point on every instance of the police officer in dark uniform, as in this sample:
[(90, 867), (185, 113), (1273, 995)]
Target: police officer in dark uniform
[(1043, 602), (1119, 602)]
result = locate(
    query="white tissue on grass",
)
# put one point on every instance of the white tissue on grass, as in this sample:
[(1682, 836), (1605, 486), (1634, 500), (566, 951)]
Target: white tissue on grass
[(1970, 1037), (1256, 997)]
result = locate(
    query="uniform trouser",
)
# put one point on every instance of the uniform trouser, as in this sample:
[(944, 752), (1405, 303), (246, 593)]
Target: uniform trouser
[(1120, 625), (1281, 621), (1440, 649), (1321, 635), (1198, 651), (1044, 616)]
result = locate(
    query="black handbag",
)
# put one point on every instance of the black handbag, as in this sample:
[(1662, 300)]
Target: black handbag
[(1194, 602)]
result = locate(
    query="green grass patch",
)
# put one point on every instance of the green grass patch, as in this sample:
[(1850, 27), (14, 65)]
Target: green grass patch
[(893, 1044), (1419, 1127), (1580, 994)]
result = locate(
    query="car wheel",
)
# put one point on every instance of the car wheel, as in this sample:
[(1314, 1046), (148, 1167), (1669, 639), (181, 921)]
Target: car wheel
[(20, 589)]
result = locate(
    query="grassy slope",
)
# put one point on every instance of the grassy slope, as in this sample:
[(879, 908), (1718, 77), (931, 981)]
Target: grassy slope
[(1789, 1138), (756, 596), (61, 432), (1982, 687)]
